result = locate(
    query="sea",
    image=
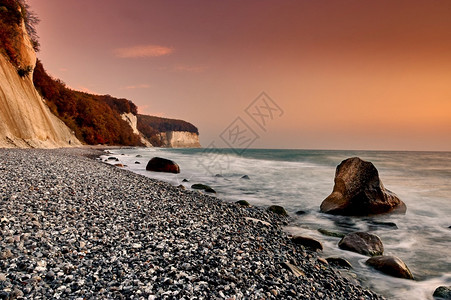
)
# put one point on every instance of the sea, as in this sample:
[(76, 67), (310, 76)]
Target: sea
[(299, 180)]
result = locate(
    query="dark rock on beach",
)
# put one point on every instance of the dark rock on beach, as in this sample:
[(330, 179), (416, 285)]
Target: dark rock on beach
[(158, 164), (243, 203), (200, 186), (443, 292), (278, 210), (339, 262), (363, 243), (358, 191), (390, 265), (307, 242)]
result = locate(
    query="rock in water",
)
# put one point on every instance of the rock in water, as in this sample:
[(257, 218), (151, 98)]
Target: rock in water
[(443, 292), (363, 243), (358, 191), (339, 262), (158, 164), (278, 210), (390, 265)]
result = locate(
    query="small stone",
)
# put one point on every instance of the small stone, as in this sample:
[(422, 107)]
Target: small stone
[(6, 254), (339, 262), (50, 276), (274, 292), (245, 177), (16, 293), (301, 212), (278, 210), (2, 277), (136, 245), (307, 242), (243, 203)]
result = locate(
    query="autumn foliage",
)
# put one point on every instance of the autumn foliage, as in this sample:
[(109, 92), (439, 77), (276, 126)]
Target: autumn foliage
[(95, 119), (12, 13)]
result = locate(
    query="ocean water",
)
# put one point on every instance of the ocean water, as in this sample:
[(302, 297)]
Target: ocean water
[(302, 179)]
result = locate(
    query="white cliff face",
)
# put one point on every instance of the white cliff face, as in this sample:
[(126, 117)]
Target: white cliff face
[(180, 139), (25, 120), (132, 120)]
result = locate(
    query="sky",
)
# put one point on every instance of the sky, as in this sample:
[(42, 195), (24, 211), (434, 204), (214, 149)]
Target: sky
[(326, 74)]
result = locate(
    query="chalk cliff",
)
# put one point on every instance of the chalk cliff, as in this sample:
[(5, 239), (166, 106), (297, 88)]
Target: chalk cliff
[(25, 120), (132, 120), (180, 139)]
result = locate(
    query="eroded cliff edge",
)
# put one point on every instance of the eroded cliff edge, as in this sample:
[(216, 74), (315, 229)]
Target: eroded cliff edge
[(25, 120)]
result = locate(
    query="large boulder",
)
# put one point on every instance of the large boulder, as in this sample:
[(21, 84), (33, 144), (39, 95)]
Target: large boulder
[(363, 243), (158, 164), (390, 265), (358, 191)]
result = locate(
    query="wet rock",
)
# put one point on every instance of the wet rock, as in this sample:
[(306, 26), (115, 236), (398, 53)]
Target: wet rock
[(245, 177), (137, 163), (390, 265), (363, 243), (200, 186), (243, 203), (278, 210), (218, 175), (443, 292), (158, 164), (301, 212), (119, 165), (185, 180), (331, 233), (307, 242), (339, 262), (359, 191), (390, 225), (112, 158)]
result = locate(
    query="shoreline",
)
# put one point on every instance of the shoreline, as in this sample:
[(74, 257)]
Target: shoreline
[(76, 227)]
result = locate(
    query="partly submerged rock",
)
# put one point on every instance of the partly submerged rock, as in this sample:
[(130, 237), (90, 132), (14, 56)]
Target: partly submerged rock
[(200, 186), (359, 191), (390, 265), (301, 212), (245, 177), (307, 242), (443, 292), (278, 210), (243, 203), (339, 262), (158, 164), (363, 243), (331, 233)]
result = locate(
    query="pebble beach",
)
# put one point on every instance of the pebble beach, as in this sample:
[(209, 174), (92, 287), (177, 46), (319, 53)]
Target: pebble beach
[(73, 227)]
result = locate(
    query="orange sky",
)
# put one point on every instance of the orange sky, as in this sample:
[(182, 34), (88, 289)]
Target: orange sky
[(347, 74)]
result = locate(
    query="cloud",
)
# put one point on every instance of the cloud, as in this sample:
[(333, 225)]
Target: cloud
[(143, 51), (138, 86), (190, 68)]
